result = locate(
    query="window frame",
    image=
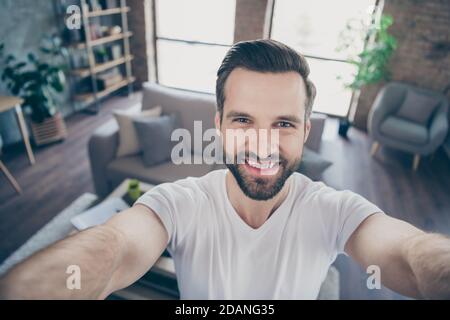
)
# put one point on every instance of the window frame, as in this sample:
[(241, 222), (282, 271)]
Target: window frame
[(378, 5), (156, 38)]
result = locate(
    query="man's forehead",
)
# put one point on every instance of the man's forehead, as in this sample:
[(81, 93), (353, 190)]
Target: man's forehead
[(274, 93)]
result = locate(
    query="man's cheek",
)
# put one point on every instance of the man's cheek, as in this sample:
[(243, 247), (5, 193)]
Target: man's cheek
[(292, 150)]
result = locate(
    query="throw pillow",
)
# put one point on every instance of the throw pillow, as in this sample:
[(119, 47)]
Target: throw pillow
[(128, 140), (154, 138)]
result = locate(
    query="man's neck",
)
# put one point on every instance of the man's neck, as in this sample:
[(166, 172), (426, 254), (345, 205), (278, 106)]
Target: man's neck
[(253, 212)]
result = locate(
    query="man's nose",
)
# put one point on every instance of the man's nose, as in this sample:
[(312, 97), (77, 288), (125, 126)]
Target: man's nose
[(267, 143)]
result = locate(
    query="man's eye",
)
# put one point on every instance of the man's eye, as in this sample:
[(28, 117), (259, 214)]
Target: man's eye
[(284, 124), (241, 120)]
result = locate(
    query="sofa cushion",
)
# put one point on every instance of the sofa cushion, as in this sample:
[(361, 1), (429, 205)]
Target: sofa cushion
[(417, 107), (134, 167), (189, 107), (154, 138), (404, 130), (128, 140)]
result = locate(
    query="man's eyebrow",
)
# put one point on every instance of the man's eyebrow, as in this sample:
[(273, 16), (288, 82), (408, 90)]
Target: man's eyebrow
[(290, 118), (235, 114)]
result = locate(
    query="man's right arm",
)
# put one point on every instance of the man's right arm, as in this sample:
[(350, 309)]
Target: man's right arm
[(110, 257)]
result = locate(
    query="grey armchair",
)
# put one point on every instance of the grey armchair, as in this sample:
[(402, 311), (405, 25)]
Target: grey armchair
[(408, 118)]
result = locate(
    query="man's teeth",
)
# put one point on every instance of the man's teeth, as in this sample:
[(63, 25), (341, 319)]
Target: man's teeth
[(256, 164)]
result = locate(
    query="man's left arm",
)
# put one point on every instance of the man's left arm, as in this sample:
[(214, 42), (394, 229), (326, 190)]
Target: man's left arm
[(412, 262)]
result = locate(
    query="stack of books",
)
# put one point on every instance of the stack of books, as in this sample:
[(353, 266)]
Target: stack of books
[(109, 78)]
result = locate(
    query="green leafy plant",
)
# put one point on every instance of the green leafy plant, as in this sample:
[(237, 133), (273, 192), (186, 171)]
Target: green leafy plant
[(36, 80), (372, 61), (101, 54)]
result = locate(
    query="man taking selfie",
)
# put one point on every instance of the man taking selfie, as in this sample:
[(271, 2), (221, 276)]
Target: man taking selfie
[(256, 230)]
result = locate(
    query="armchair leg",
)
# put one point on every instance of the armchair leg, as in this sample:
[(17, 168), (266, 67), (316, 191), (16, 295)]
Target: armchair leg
[(374, 148), (416, 161), (10, 178)]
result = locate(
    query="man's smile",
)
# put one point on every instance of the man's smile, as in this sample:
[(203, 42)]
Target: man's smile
[(268, 168)]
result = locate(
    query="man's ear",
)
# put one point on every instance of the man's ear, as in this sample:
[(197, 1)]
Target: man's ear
[(307, 129), (217, 122)]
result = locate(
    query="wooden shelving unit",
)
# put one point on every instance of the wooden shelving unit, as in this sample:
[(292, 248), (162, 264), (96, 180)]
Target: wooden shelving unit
[(93, 70), (105, 12), (85, 72), (103, 40), (91, 97)]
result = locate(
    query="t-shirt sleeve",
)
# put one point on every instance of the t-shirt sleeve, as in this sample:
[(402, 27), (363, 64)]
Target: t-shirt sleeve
[(174, 204), (354, 209), (341, 213)]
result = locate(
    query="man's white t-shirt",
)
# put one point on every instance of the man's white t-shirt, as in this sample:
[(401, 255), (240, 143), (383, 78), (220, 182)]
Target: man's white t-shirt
[(218, 256)]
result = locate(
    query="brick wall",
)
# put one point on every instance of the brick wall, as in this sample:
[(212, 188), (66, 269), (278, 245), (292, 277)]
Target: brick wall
[(250, 19), (141, 43), (422, 29)]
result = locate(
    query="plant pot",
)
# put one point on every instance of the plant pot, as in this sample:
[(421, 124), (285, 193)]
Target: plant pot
[(344, 125), (50, 130)]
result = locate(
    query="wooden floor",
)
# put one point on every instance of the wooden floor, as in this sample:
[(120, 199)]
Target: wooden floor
[(62, 173)]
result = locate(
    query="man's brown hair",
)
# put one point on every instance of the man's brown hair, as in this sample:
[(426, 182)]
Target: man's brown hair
[(263, 56)]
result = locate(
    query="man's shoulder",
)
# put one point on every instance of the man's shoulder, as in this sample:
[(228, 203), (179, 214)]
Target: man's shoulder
[(196, 185), (319, 194), (211, 178), (304, 185), (309, 190), (189, 192)]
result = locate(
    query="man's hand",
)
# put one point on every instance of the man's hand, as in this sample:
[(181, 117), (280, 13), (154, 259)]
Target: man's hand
[(111, 256), (412, 262)]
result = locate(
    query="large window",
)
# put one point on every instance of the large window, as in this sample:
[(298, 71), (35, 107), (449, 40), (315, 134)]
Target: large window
[(313, 27), (192, 38)]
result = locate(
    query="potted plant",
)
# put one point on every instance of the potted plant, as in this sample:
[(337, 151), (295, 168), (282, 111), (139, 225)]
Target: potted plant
[(371, 63), (37, 81), (101, 55)]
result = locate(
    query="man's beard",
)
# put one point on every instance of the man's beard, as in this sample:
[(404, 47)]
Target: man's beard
[(266, 187)]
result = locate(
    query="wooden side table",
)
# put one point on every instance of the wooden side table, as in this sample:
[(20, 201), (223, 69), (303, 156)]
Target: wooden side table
[(8, 103)]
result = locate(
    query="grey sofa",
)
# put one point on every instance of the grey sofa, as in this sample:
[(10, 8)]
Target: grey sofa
[(108, 171), (420, 132)]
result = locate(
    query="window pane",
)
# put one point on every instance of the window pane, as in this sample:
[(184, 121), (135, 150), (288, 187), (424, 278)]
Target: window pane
[(313, 27), (196, 20), (189, 66), (331, 98)]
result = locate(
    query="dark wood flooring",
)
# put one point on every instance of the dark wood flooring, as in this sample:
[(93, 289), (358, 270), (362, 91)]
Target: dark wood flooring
[(62, 173)]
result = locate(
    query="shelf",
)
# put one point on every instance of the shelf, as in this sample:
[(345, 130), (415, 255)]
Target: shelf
[(103, 40), (90, 97), (107, 12), (88, 74), (84, 72)]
